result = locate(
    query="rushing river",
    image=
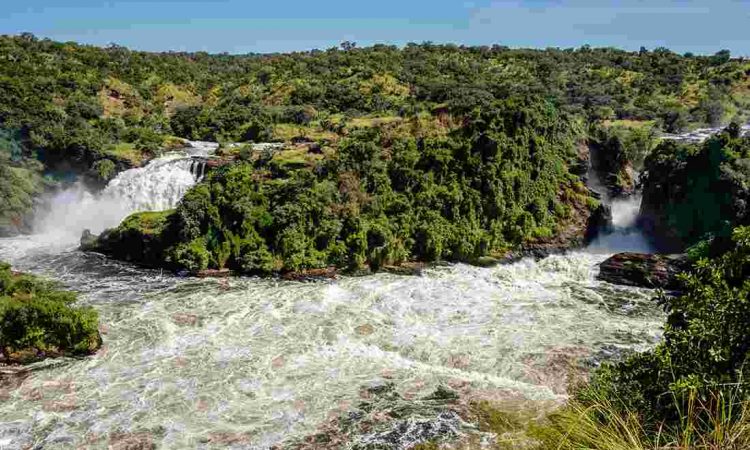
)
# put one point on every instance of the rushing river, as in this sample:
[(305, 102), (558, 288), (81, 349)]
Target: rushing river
[(252, 363)]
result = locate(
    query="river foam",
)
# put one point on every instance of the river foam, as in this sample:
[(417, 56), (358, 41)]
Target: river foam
[(190, 362)]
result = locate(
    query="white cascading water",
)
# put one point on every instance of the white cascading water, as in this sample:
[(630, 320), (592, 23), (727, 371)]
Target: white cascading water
[(249, 363), (252, 363), (157, 186), (624, 236), (701, 134)]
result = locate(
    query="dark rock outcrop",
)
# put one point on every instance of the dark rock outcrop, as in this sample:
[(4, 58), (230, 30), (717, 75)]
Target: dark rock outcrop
[(139, 239), (644, 270), (88, 241), (584, 225), (610, 165), (692, 192)]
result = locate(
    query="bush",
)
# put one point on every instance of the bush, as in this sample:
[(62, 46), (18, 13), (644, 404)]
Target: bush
[(104, 169), (38, 320), (192, 255)]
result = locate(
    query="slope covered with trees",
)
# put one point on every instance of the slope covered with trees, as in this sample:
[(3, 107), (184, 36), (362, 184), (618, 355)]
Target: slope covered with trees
[(81, 104), (99, 110), (695, 192)]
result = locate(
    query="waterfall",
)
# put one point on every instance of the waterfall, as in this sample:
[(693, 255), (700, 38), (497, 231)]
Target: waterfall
[(701, 134), (624, 234), (157, 186)]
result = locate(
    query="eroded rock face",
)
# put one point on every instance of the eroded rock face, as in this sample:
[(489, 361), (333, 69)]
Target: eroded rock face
[(644, 270), (609, 164), (584, 226)]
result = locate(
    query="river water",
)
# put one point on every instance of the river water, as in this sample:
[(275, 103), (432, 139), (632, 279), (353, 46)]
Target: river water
[(252, 363)]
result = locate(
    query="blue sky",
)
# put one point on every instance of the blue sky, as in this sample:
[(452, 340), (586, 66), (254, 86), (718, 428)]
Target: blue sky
[(236, 26)]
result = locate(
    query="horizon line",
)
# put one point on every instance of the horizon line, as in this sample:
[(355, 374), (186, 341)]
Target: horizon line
[(369, 44)]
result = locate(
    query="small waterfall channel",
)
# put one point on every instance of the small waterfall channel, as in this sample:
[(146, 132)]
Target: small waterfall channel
[(624, 235)]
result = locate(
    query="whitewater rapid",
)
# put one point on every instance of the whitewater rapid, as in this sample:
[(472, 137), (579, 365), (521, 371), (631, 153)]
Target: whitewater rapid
[(193, 363)]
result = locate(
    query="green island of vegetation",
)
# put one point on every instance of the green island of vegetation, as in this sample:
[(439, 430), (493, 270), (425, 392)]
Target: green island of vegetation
[(38, 320)]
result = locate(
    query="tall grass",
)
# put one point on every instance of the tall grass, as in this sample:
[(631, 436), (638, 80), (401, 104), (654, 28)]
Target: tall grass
[(720, 423)]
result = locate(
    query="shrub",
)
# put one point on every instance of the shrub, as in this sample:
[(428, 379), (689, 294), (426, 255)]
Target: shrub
[(192, 255), (40, 320), (104, 169)]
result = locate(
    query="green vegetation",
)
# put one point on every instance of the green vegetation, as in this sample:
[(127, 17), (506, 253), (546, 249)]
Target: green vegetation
[(599, 424), (139, 237), (101, 110), (692, 192), (498, 183), (38, 320), (78, 102), (705, 348), (20, 181)]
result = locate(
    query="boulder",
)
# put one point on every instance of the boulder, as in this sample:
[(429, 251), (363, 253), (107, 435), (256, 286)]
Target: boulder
[(88, 241), (644, 270), (326, 273)]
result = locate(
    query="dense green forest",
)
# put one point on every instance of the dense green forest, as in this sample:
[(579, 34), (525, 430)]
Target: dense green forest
[(95, 111), (99, 110), (499, 182)]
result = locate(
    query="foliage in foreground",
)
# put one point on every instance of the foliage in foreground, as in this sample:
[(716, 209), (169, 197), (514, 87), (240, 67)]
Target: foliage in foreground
[(499, 183), (703, 358), (720, 423), (38, 320)]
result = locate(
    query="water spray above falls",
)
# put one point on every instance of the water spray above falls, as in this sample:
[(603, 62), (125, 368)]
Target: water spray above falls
[(157, 186)]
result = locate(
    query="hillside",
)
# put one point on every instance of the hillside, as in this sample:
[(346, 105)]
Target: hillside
[(96, 111)]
